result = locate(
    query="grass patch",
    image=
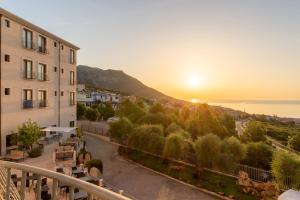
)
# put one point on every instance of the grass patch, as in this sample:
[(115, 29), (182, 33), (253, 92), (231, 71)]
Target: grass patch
[(207, 180)]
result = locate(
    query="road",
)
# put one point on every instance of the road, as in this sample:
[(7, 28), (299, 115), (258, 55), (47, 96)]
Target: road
[(138, 182)]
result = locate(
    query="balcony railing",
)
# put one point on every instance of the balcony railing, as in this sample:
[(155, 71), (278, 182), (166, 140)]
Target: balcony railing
[(93, 191), (43, 103), (27, 104), (29, 76), (32, 47), (43, 77), (43, 50)]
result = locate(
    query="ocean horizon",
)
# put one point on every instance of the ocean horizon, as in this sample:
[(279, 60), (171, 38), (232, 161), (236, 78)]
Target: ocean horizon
[(280, 108)]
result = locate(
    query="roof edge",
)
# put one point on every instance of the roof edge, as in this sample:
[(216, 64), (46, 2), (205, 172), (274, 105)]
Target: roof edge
[(36, 28)]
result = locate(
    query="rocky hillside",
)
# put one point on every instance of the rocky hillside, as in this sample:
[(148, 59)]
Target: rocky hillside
[(116, 80)]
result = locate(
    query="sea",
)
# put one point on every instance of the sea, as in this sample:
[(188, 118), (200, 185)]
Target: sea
[(280, 108)]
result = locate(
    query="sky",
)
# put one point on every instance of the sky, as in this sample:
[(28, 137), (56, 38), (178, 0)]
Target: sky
[(188, 49)]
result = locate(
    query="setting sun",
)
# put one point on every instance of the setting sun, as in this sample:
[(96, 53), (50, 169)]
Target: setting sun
[(194, 81)]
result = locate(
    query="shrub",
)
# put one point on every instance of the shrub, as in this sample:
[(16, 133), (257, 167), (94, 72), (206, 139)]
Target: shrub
[(149, 138), (235, 148), (29, 133), (81, 109), (254, 132), (286, 167), (208, 149), (94, 163), (120, 130), (294, 141), (35, 152), (92, 114), (175, 146), (258, 155)]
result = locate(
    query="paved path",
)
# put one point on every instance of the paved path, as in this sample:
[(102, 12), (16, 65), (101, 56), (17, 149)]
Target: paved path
[(136, 181)]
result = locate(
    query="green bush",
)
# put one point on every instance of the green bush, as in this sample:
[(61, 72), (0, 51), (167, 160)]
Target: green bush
[(92, 114), (120, 130), (286, 169), (35, 152), (95, 163), (258, 155)]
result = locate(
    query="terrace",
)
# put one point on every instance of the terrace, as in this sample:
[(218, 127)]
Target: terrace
[(53, 177)]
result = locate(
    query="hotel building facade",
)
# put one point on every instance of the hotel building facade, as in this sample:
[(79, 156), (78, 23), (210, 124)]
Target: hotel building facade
[(37, 78)]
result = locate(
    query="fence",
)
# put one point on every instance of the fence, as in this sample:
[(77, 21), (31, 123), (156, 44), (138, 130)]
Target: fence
[(255, 174)]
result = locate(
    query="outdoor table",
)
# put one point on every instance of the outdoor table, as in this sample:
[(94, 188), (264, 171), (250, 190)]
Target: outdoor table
[(80, 195)]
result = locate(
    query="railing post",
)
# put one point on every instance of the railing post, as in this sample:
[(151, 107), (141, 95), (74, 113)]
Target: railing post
[(23, 185), (72, 192), (54, 189), (8, 178), (38, 187)]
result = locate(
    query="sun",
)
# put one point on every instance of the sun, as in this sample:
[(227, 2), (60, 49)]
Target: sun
[(193, 81)]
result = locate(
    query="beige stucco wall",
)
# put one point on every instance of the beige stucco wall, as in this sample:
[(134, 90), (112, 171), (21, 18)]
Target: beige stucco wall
[(12, 112)]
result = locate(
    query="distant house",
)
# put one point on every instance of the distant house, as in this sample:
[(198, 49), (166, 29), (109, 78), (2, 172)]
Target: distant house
[(80, 87), (106, 97)]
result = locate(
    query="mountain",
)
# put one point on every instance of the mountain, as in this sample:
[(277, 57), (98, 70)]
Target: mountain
[(116, 80)]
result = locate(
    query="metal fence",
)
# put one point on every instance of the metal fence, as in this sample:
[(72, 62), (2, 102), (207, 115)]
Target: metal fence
[(94, 129)]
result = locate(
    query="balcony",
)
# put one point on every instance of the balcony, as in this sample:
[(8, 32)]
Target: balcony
[(43, 50), (43, 77), (27, 104), (31, 47), (43, 103), (10, 191), (29, 76)]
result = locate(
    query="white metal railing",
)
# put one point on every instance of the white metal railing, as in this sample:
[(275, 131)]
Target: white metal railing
[(93, 191)]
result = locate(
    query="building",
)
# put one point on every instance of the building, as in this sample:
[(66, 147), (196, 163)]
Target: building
[(106, 97), (38, 72)]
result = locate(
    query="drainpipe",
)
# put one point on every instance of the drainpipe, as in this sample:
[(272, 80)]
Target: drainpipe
[(59, 89)]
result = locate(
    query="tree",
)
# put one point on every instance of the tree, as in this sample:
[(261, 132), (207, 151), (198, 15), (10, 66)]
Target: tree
[(175, 146), (235, 148), (294, 141), (258, 155), (106, 111), (81, 108), (120, 130), (92, 114), (130, 110), (157, 108), (286, 167), (172, 128), (254, 132), (29, 133), (155, 118), (207, 149), (149, 138)]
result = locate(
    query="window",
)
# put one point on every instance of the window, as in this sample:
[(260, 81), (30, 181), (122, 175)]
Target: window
[(7, 58), (62, 93), (55, 44), (72, 79), (55, 69), (55, 93), (27, 39), (28, 74), (7, 23), (72, 56), (42, 70), (27, 98), (72, 124), (41, 44), (42, 98), (62, 71), (62, 47), (72, 98), (7, 91)]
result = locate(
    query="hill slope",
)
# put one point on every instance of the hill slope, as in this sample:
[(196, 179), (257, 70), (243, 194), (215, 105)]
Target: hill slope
[(115, 80)]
